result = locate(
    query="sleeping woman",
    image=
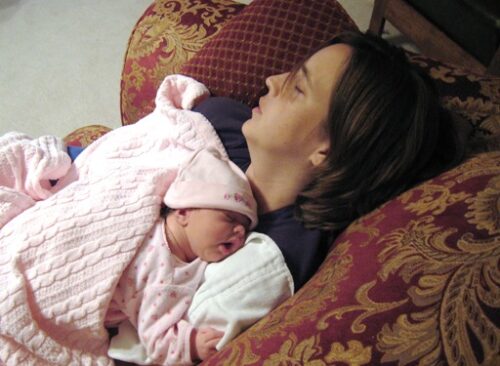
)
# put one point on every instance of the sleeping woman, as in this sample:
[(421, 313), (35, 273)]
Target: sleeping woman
[(352, 126)]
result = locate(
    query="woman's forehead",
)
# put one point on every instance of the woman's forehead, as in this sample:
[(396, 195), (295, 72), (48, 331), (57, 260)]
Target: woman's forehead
[(327, 65)]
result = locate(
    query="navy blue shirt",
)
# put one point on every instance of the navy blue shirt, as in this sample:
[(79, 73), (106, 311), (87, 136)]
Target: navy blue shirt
[(304, 250)]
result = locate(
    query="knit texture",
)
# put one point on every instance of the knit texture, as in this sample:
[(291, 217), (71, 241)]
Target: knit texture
[(26, 167), (60, 260)]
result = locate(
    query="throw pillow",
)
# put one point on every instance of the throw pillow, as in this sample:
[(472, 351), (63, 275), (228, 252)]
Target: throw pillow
[(268, 37)]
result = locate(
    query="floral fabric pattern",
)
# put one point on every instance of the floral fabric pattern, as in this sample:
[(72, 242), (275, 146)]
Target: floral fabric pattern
[(84, 136), (168, 34), (474, 97)]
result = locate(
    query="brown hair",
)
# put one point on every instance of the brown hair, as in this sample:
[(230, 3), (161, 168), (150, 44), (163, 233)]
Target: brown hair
[(387, 132)]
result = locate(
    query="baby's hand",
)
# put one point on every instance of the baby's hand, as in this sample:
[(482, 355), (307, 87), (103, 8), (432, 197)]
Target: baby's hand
[(206, 339)]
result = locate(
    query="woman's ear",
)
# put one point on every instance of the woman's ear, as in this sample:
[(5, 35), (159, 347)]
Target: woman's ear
[(182, 216), (319, 154)]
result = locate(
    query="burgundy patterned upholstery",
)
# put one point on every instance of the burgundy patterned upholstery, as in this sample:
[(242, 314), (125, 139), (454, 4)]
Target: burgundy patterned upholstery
[(168, 34), (84, 136)]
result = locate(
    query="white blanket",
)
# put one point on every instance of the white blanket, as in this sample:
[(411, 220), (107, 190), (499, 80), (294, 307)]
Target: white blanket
[(236, 293)]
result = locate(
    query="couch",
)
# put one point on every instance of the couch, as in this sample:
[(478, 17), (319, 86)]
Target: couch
[(416, 281)]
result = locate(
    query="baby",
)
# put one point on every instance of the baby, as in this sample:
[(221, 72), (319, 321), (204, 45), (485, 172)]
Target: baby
[(210, 208)]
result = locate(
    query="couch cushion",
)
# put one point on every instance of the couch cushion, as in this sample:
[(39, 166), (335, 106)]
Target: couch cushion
[(474, 97), (268, 37), (84, 136), (414, 281), (167, 34)]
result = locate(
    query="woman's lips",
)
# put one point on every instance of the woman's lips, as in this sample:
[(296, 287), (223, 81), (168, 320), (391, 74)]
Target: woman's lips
[(256, 110)]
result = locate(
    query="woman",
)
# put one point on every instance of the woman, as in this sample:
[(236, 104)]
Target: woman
[(348, 129)]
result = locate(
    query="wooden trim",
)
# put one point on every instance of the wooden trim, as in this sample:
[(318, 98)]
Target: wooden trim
[(426, 36), (377, 20), (494, 66)]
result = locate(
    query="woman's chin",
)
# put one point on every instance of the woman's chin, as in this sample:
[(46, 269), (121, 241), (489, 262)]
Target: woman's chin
[(244, 127), (252, 131)]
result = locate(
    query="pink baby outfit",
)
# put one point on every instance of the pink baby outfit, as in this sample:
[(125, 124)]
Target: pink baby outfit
[(61, 256), (156, 289), (153, 293)]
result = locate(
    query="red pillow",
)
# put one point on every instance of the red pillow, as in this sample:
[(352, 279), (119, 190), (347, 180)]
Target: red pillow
[(267, 37)]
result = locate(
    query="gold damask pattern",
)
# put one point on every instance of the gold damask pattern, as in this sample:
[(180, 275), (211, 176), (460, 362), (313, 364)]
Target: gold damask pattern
[(448, 295), (483, 211), (84, 136), (306, 352), (435, 199), (366, 306), (168, 34), (474, 97), (416, 282)]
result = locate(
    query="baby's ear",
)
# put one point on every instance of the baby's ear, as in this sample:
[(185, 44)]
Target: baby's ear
[(182, 216)]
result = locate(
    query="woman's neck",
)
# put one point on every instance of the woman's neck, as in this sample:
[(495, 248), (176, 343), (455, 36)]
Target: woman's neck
[(275, 187)]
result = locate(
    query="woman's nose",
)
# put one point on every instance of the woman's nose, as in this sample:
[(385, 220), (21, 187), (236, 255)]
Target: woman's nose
[(274, 83)]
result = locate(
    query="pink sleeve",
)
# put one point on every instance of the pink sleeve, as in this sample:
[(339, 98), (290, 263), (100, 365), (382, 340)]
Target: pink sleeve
[(26, 168), (162, 331), (27, 165), (155, 292)]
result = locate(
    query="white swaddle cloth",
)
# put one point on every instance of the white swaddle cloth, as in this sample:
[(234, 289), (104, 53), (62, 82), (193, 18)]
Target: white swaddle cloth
[(236, 293)]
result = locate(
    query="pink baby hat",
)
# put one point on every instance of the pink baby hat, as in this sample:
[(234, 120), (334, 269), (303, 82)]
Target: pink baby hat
[(208, 180)]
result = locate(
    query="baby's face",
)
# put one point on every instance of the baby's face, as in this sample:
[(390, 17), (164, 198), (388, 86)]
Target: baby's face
[(215, 234)]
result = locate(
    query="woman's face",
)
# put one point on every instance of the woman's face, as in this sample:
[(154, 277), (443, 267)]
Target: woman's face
[(289, 119)]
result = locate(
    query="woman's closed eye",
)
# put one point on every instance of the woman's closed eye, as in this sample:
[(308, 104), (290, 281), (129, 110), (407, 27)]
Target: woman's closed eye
[(295, 82), (293, 88), (298, 89)]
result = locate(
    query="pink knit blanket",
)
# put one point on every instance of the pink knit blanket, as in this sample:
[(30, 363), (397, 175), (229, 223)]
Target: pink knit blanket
[(64, 248)]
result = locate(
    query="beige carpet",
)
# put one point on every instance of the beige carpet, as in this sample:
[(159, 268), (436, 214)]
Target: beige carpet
[(61, 61)]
